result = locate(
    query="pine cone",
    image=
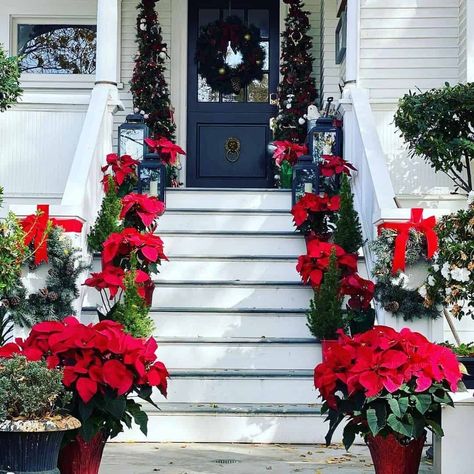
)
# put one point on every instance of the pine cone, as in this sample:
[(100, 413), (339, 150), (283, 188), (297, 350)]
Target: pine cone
[(14, 301), (5, 302), (392, 306), (235, 81), (53, 296), (43, 293), (69, 269)]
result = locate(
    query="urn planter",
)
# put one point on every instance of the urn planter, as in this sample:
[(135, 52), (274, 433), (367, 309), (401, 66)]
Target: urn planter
[(32, 446), (391, 457)]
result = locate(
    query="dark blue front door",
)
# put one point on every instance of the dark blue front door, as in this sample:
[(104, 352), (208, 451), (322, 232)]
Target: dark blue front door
[(219, 124)]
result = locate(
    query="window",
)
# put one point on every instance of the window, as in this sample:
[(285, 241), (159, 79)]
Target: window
[(56, 48), (341, 35)]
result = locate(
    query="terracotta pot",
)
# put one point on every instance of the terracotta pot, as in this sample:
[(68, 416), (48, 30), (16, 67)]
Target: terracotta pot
[(326, 345), (83, 457), (391, 457)]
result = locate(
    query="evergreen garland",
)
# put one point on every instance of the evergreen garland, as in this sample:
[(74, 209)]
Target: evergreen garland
[(297, 89), (108, 220), (54, 302), (148, 85), (325, 316), (348, 232)]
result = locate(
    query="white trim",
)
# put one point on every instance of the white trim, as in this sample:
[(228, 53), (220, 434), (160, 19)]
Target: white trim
[(470, 40), (352, 41)]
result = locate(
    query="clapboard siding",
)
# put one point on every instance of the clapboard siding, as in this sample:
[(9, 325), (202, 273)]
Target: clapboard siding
[(408, 44), (330, 71), (314, 7), (462, 41)]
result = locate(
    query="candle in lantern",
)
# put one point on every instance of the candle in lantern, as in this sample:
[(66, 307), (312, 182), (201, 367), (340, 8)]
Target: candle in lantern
[(308, 187), (153, 188)]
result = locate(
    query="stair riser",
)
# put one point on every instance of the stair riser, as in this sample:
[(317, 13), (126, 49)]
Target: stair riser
[(241, 390), (225, 270), (229, 222), (233, 429), (265, 356), (248, 200), (222, 297), (224, 246)]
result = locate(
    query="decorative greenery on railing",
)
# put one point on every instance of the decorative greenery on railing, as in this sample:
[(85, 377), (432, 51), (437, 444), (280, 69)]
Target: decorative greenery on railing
[(438, 125), (10, 89)]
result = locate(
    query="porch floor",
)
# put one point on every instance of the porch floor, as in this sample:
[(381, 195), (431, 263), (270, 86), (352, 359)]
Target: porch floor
[(179, 458)]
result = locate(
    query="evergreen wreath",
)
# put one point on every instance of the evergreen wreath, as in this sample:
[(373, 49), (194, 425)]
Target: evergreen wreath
[(211, 52), (390, 290), (54, 301)]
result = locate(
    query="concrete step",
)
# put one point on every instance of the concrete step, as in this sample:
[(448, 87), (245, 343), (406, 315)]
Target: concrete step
[(225, 324), (233, 423), (239, 353), (241, 386), (249, 199), (229, 220), (223, 295)]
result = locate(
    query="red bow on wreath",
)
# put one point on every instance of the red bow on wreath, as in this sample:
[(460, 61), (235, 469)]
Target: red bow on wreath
[(230, 32), (425, 226), (35, 227)]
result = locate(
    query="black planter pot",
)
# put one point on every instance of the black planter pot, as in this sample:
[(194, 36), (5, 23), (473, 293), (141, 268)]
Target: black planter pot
[(468, 362), (25, 453)]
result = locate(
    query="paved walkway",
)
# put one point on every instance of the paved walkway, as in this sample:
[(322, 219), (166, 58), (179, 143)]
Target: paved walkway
[(235, 459)]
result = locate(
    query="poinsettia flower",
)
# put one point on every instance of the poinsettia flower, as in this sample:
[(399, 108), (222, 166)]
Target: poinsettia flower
[(332, 165), (312, 203), (122, 167), (117, 376), (110, 278), (360, 290), (167, 149), (147, 208), (288, 151), (315, 263)]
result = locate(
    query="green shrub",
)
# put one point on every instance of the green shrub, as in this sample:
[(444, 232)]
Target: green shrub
[(10, 89), (437, 125), (30, 390)]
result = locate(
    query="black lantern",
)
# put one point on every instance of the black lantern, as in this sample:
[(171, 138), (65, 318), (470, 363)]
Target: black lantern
[(325, 138), (152, 176), (132, 136), (305, 178)]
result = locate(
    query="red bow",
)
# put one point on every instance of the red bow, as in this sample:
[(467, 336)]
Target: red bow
[(230, 33), (426, 226), (35, 227)]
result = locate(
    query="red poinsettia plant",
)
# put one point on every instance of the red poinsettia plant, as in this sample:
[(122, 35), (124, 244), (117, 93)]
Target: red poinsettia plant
[(167, 150), (315, 214), (332, 165), (360, 291), (384, 382), (141, 211), (123, 173), (288, 151), (315, 263), (104, 368)]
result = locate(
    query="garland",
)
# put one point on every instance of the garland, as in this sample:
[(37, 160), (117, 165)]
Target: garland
[(391, 289), (212, 49), (54, 301)]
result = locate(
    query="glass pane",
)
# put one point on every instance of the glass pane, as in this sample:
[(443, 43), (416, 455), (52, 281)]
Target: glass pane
[(150, 180), (258, 91), (323, 144), (208, 15), (57, 49), (131, 142), (261, 19), (233, 12), (205, 93), (240, 97), (266, 47)]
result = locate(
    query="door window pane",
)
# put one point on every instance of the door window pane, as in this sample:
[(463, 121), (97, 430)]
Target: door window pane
[(57, 49), (208, 15), (258, 90), (266, 47), (205, 93), (261, 19), (233, 12), (240, 97)]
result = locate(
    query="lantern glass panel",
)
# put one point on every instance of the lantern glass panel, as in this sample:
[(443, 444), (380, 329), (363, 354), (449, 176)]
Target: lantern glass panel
[(324, 143), (151, 181), (305, 180), (131, 140)]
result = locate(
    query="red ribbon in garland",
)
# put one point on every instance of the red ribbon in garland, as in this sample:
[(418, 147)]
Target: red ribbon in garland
[(425, 226), (35, 227)]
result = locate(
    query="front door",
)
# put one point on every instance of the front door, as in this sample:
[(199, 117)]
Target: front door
[(228, 133)]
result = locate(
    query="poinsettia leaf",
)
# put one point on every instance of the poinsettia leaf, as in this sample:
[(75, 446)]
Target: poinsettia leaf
[(85, 409), (349, 434), (435, 427), (377, 418), (403, 404), (398, 426), (334, 419), (89, 428), (116, 407), (395, 407), (423, 402), (139, 416)]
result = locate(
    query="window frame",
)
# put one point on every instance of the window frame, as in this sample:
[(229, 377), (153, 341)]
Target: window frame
[(38, 80)]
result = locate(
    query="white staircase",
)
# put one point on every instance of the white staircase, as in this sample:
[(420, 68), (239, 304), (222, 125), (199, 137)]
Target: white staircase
[(230, 320)]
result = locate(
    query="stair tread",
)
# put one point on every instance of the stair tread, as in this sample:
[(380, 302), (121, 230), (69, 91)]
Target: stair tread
[(237, 408), (238, 373), (237, 340), (215, 310)]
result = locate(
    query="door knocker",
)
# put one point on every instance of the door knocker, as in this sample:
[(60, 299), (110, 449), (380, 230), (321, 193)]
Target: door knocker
[(232, 149)]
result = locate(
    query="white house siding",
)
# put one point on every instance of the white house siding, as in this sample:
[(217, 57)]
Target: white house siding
[(462, 40), (330, 71), (314, 7)]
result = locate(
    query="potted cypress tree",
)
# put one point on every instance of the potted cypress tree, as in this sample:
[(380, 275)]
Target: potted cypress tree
[(32, 417)]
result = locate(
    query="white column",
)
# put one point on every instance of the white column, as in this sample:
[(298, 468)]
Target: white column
[(470, 40), (352, 41), (107, 41)]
